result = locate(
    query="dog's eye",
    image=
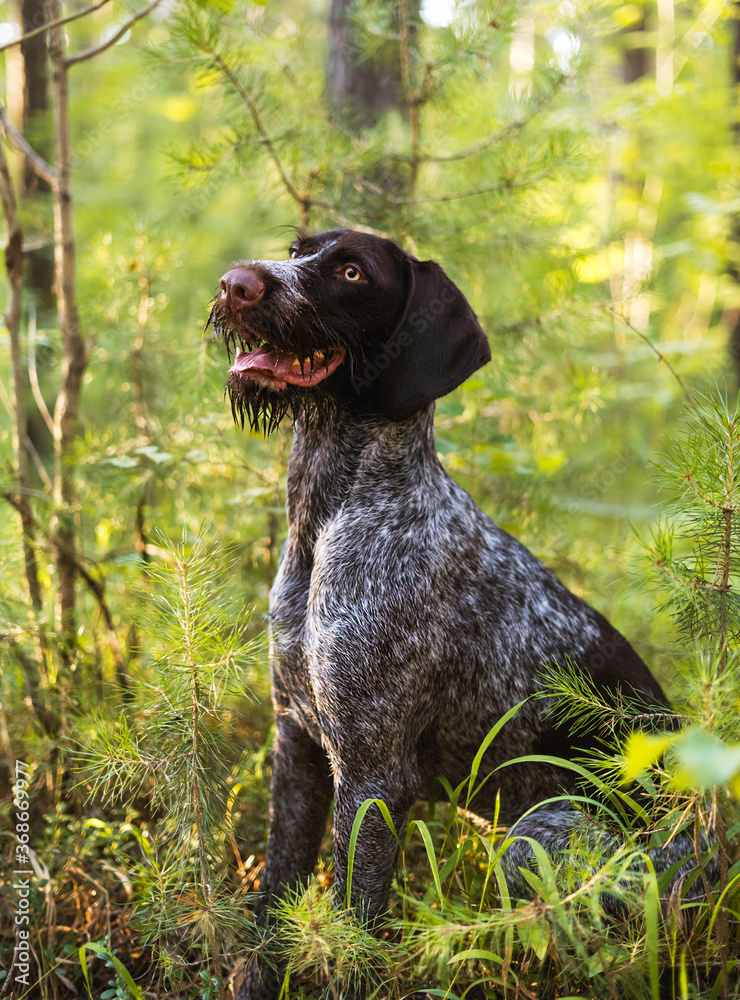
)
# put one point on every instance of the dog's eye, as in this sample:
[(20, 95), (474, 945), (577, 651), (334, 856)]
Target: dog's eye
[(293, 252), (352, 273)]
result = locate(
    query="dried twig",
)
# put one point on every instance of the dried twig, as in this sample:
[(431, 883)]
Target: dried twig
[(39, 164), (102, 46), (54, 24), (654, 349)]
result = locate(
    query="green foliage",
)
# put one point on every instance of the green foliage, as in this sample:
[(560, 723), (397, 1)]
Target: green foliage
[(322, 942), (701, 478), (122, 986), (579, 705), (454, 924), (458, 924)]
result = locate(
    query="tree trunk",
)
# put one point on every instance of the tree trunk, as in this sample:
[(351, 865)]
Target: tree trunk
[(32, 669), (75, 354), (14, 266), (362, 88), (636, 57), (35, 125)]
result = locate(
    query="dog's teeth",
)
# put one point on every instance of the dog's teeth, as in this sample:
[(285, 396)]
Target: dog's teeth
[(302, 366)]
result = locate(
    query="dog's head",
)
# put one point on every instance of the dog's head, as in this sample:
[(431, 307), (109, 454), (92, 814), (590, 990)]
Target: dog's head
[(348, 319)]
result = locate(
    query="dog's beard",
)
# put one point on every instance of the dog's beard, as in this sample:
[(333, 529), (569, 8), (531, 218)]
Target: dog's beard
[(263, 408), (260, 325), (257, 403)]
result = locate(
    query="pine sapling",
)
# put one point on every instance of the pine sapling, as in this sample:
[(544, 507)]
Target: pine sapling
[(177, 748)]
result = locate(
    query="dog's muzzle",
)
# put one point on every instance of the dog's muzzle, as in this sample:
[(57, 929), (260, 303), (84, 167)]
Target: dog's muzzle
[(242, 289)]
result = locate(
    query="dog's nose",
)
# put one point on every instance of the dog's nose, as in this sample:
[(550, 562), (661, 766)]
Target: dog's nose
[(242, 288)]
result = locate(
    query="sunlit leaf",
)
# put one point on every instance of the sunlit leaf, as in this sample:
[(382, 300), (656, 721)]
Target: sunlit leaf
[(642, 750)]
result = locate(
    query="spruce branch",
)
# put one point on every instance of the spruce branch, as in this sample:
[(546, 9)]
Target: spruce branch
[(246, 98), (701, 475), (499, 187), (536, 107), (177, 747), (661, 357)]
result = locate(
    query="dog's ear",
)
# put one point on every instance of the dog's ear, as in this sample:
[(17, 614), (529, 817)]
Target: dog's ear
[(435, 345)]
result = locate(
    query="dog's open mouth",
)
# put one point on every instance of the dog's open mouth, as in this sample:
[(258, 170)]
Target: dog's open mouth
[(272, 367)]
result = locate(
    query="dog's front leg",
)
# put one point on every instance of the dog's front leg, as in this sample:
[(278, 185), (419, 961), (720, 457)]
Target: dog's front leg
[(376, 846), (301, 793)]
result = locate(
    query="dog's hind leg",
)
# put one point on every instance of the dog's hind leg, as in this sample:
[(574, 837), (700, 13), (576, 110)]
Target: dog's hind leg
[(564, 833), (555, 826), (301, 793)]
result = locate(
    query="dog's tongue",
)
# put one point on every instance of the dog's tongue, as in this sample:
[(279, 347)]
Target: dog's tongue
[(262, 359), (279, 365)]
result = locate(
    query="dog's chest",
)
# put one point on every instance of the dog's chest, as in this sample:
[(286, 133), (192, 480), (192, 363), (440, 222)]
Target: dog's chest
[(330, 601), (355, 566), (378, 612)]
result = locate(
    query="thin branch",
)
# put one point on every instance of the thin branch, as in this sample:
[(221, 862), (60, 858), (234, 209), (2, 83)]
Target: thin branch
[(96, 588), (43, 474), (505, 133), (33, 374), (472, 192), (96, 49), (252, 107), (40, 467), (656, 352), (39, 164), (54, 24)]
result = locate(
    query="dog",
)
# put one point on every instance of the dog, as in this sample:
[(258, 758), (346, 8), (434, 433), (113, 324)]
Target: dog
[(405, 622)]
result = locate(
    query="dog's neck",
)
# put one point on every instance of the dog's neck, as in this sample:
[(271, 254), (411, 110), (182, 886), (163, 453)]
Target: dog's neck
[(327, 461)]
